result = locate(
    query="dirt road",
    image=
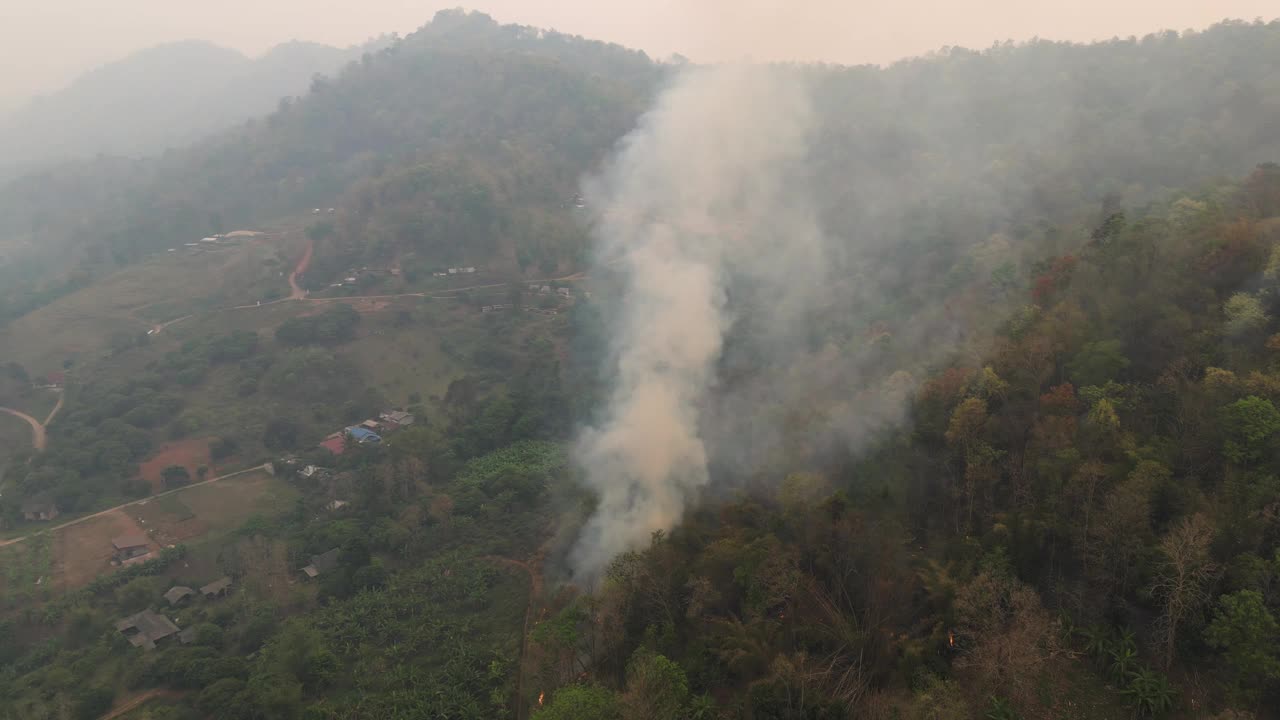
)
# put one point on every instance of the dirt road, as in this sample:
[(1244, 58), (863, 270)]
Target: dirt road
[(296, 291), (137, 700), (149, 498), (39, 437), (37, 429), (56, 408), (155, 329)]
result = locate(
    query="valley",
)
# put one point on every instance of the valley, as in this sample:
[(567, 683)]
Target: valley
[(508, 373)]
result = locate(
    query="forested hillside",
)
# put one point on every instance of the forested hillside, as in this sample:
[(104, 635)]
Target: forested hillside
[(160, 98), (1015, 452), (961, 143)]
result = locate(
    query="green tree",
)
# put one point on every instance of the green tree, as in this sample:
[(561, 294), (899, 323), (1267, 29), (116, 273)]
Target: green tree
[(93, 702), (1248, 634), (581, 702), (1250, 426), (656, 688), (175, 476), (1097, 363), (1245, 314)]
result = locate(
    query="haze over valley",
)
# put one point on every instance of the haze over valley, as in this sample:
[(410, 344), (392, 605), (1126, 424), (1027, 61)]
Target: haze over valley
[(489, 370)]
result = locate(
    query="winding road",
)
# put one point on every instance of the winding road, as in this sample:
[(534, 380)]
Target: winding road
[(38, 435)]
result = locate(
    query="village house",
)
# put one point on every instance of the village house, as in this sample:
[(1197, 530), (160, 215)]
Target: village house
[(217, 588), (41, 508), (313, 471), (146, 629), (178, 594), (335, 443), (396, 418), (130, 547), (322, 563), (336, 505), (363, 435), (565, 292), (372, 425)]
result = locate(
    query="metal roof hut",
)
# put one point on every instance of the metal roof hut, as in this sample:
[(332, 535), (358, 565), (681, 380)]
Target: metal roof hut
[(322, 563), (146, 628), (178, 594)]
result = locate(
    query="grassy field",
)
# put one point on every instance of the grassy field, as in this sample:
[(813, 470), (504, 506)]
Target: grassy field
[(206, 513), (133, 300), (73, 556), (24, 565)]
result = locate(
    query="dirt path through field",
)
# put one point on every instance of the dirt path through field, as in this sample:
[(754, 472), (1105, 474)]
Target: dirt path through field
[(137, 700), (296, 291), (37, 429), (61, 396), (149, 498)]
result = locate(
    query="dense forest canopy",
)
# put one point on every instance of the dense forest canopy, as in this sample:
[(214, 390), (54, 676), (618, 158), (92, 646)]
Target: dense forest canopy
[(1000, 138), (1015, 455)]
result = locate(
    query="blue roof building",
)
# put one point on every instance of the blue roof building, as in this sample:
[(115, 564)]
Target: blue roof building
[(364, 435)]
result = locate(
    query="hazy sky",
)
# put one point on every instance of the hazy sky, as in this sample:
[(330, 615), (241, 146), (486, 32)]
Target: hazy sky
[(46, 43)]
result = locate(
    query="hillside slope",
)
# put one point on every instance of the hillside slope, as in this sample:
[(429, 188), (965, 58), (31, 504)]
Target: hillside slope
[(162, 97)]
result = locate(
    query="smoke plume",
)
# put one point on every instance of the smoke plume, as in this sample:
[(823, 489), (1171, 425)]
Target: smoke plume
[(706, 194)]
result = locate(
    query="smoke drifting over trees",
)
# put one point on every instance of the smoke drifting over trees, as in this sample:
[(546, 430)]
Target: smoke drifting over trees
[(707, 188)]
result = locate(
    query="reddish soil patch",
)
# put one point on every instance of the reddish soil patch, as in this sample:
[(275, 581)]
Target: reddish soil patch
[(296, 291), (190, 454), (83, 551)]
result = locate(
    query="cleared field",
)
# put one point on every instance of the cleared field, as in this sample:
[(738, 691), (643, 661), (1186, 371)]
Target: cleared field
[(190, 454), (208, 511), (83, 551), (139, 297), (73, 556), (402, 359)]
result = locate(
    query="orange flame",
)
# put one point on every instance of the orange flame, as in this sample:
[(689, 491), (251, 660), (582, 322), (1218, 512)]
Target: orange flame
[(951, 639), (540, 696)]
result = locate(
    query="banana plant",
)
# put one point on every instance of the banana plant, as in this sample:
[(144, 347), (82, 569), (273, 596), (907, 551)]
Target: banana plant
[(1000, 709), (1124, 662), (1150, 693)]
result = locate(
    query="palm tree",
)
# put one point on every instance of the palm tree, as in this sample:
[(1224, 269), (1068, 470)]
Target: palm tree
[(1149, 692)]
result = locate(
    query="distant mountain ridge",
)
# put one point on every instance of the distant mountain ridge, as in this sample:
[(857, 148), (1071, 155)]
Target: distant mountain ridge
[(164, 96)]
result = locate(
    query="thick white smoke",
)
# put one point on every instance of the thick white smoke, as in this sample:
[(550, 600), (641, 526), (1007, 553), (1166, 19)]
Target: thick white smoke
[(709, 187)]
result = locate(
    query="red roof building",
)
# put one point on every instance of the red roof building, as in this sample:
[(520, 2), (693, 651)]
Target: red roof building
[(335, 443), (56, 378)]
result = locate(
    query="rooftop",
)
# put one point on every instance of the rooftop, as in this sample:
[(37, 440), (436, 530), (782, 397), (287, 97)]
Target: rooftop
[(322, 563), (216, 586), (40, 504), (363, 434), (132, 540), (177, 593), (335, 444), (145, 628)]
